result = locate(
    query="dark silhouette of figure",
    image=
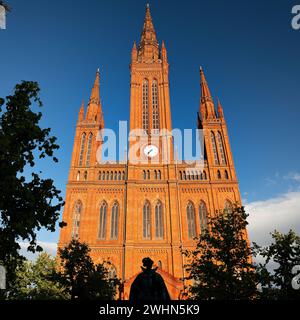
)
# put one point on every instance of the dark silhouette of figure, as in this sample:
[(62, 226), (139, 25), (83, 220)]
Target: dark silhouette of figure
[(148, 285)]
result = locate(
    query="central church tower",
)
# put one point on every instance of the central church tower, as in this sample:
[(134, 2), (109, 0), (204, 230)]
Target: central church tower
[(152, 224), (151, 205), (150, 109)]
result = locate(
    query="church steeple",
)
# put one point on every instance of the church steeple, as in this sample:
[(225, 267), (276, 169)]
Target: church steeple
[(150, 110), (207, 107), (94, 109), (148, 47)]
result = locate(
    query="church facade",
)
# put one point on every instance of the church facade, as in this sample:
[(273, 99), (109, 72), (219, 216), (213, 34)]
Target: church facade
[(129, 210)]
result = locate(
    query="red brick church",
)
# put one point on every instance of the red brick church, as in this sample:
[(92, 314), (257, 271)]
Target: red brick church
[(126, 211)]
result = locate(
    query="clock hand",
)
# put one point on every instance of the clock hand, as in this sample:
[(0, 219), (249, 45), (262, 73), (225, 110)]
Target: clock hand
[(149, 151)]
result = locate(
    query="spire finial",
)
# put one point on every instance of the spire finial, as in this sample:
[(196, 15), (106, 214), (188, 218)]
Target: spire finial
[(220, 109), (134, 52), (81, 112)]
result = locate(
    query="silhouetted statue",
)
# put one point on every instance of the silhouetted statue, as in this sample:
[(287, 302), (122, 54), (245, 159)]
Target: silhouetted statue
[(148, 285)]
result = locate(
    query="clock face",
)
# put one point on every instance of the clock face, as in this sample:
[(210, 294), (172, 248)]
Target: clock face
[(151, 151)]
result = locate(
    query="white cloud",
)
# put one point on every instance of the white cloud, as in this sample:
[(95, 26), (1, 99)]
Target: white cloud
[(281, 213), (49, 247), (295, 176)]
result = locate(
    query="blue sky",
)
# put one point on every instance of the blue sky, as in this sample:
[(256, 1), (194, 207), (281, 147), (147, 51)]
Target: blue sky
[(248, 49)]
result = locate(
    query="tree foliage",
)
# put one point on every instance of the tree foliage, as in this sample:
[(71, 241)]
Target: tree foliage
[(27, 202), (81, 277), (36, 281), (221, 265), (284, 254)]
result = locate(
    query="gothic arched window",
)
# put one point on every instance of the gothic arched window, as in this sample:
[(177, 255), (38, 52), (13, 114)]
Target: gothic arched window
[(221, 148), (203, 216), (102, 220), (146, 221), (226, 174), (145, 113), (89, 147), (204, 175), (76, 219), (190, 211), (214, 147), (155, 117), (219, 174), (158, 174), (114, 221), (82, 149), (159, 227)]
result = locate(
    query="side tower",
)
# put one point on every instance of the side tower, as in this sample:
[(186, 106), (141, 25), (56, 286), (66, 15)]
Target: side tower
[(80, 187), (218, 155)]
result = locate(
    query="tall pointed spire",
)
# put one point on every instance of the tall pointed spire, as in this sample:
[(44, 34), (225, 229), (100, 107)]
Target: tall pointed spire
[(95, 94), (148, 48), (94, 102), (207, 107), (148, 33), (205, 93)]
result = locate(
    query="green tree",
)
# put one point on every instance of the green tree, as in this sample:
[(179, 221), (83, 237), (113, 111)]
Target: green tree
[(27, 202), (82, 278), (284, 253), (221, 265), (36, 281)]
